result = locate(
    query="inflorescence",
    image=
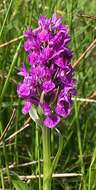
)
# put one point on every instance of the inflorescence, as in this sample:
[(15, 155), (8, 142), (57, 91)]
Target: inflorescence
[(48, 83)]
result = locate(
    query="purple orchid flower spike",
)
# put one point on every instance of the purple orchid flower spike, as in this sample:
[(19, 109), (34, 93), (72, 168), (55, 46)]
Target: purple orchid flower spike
[(50, 71)]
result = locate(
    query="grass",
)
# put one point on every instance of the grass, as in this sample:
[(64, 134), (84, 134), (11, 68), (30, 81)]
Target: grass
[(18, 152)]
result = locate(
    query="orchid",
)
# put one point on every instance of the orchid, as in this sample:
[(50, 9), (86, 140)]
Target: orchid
[(50, 71)]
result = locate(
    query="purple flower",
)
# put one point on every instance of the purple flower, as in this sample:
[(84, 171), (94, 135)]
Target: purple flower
[(63, 108), (28, 45), (55, 22), (60, 40), (23, 71), (26, 107), (43, 22), (23, 90), (51, 121), (28, 33), (48, 83), (46, 109), (48, 86), (33, 58)]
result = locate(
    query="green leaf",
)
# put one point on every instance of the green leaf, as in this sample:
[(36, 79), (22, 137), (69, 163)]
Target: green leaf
[(58, 154), (19, 185), (33, 114)]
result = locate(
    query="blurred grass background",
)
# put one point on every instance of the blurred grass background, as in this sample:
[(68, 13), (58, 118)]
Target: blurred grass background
[(79, 130)]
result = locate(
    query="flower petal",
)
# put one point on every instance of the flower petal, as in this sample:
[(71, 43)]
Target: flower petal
[(23, 90), (26, 107), (46, 109), (51, 121), (28, 33), (48, 86), (23, 71), (28, 45), (63, 109)]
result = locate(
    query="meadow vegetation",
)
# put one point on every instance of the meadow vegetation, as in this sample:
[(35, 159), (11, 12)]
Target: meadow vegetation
[(20, 141)]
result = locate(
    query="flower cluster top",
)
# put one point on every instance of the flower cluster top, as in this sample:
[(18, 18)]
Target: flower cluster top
[(49, 82)]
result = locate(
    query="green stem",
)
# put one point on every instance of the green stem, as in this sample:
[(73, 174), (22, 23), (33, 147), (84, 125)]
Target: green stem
[(7, 165), (58, 154), (6, 161), (37, 156), (2, 177), (46, 159)]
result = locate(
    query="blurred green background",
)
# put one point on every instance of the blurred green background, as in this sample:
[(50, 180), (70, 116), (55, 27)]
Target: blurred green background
[(79, 130)]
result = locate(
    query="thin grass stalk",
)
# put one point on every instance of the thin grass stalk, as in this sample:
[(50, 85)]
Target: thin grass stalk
[(1, 171), (9, 73), (79, 143), (90, 169), (16, 141), (6, 162), (8, 10), (2, 177), (2, 181), (7, 165)]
